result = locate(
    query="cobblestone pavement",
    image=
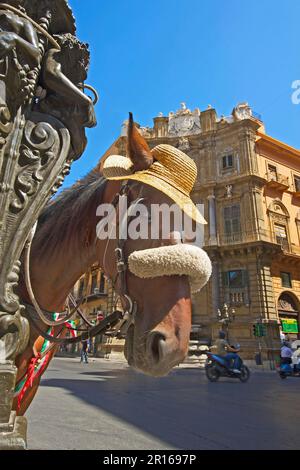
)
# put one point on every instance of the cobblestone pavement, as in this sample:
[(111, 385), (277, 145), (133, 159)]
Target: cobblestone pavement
[(107, 405)]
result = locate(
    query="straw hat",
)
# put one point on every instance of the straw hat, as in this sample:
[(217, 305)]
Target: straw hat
[(173, 172)]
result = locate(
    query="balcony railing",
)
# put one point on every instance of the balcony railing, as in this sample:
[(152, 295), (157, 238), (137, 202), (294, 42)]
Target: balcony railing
[(277, 181), (296, 190), (255, 236), (244, 237)]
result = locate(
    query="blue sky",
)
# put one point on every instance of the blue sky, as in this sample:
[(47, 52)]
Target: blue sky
[(148, 56)]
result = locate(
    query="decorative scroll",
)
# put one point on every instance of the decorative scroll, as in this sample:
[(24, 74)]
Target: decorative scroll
[(38, 151)]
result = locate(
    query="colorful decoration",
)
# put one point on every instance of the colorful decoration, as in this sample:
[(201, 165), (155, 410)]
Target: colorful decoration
[(39, 363)]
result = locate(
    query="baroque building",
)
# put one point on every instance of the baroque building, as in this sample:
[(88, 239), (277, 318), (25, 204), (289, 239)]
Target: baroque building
[(98, 300), (249, 185)]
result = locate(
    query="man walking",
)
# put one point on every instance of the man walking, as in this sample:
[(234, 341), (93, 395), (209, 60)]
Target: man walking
[(83, 354)]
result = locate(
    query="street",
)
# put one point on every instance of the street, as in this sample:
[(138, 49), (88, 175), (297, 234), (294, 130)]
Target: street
[(106, 405)]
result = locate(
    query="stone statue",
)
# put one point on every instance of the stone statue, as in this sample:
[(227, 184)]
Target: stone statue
[(184, 122), (43, 115), (229, 191), (19, 55), (65, 97), (18, 34)]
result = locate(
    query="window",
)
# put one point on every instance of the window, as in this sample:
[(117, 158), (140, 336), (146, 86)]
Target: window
[(237, 279), (80, 288), (297, 183), (102, 283), (227, 162), (286, 280), (273, 172), (94, 283), (232, 223), (281, 236), (235, 285)]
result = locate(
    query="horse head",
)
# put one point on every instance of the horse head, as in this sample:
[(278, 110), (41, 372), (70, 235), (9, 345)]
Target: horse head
[(160, 273)]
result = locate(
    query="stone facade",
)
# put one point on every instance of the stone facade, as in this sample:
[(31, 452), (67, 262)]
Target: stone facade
[(248, 184), (99, 299)]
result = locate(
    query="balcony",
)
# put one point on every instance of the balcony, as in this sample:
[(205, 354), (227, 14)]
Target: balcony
[(236, 296), (256, 236), (96, 294), (245, 237), (277, 181), (295, 249), (284, 243), (296, 190), (296, 194)]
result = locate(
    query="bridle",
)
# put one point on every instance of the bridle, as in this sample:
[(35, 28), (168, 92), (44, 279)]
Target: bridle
[(128, 303), (115, 324)]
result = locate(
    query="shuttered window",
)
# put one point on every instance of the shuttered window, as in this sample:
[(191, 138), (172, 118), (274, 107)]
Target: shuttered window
[(286, 279), (297, 183), (227, 162), (102, 283), (232, 222), (80, 289), (94, 283), (281, 236)]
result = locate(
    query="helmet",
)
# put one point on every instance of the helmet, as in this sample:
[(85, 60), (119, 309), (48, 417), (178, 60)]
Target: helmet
[(222, 334)]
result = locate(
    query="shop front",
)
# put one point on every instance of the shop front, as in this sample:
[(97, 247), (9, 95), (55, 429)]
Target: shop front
[(288, 313)]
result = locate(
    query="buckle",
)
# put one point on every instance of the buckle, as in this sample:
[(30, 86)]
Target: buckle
[(121, 265)]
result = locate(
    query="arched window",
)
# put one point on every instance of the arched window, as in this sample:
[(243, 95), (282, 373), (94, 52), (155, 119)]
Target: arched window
[(279, 223)]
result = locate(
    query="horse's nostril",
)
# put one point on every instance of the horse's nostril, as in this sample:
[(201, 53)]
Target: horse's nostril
[(156, 346)]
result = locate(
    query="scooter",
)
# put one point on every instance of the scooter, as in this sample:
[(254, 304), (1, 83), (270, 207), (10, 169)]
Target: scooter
[(288, 370), (216, 367)]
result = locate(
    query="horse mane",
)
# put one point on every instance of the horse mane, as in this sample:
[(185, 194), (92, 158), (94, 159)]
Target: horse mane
[(71, 213)]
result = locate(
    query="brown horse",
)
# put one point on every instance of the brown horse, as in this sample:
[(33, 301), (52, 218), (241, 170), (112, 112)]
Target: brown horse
[(66, 246)]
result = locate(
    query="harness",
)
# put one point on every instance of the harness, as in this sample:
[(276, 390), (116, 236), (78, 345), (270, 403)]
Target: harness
[(115, 324)]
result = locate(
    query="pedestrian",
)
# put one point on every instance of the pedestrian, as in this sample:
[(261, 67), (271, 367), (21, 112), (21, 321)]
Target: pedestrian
[(84, 349)]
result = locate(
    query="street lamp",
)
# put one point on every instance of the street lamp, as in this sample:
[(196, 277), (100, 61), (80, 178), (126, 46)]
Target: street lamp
[(225, 317)]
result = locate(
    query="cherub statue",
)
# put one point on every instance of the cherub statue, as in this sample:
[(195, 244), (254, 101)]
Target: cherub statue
[(56, 76), (63, 75), (18, 33), (19, 54)]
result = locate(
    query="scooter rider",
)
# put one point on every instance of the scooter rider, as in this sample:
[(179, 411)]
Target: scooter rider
[(227, 352), (286, 353), (296, 359)]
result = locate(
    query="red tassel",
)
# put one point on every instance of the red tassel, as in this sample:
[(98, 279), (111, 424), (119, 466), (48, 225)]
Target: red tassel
[(30, 378)]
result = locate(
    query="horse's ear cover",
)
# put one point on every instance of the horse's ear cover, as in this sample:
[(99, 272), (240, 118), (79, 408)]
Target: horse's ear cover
[(117, 165)]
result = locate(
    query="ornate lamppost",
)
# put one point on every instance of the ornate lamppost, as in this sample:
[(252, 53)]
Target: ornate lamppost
[(226, 316), (43, 115)]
